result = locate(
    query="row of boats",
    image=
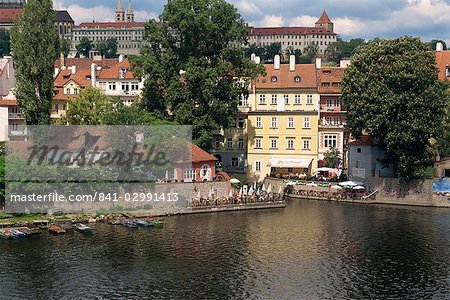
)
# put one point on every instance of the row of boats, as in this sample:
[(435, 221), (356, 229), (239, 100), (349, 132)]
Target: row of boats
[(130, 223), (15, 233)]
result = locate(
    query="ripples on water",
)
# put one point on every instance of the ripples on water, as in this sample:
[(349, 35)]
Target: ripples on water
[(309, 250)]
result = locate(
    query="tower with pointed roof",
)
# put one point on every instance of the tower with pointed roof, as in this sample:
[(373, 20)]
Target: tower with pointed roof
[(120, 12), (325, 22), (130, 13)]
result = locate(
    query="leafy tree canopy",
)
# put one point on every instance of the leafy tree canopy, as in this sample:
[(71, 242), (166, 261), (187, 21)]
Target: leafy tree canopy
[(64, 47), (391, 91), (191, 63), (35, 46), (331, 158), (434, 42), (132, 115), (107, 48), (84, 47), (5, 43)]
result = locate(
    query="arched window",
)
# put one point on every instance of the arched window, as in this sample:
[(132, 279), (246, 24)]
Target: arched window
[(205, 172), (189, 174)]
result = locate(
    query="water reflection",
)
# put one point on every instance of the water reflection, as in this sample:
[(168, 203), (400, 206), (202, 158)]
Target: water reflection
[(308, 250)]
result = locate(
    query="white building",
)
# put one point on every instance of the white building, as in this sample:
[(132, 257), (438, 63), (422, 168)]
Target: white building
[(292, 38)]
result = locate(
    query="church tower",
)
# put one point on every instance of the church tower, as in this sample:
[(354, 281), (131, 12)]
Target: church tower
[(325, 22), (130, 13), (120, 12)]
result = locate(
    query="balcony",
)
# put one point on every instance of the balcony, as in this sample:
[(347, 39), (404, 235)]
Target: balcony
[(15, 116), (234, 169), (244, 108), (337, 109), (17, 132), (332, 125)]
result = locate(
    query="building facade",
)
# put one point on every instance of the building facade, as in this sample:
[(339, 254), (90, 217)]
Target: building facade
[(333, 131), (293, 38)]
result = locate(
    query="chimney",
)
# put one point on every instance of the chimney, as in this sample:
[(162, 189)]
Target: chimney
[(318, 63), (439, 47), (292, 63), (93, 74), (276, 62), (257, 60), (121, 58), (62, 60), (56, 72), (253, 57), (74, 70)]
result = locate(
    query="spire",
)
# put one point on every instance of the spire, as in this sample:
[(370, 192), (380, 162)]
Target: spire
[(130, 8), (119, 6), (324, 19)]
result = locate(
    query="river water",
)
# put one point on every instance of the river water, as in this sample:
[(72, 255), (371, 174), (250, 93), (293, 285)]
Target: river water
[(308, 250)]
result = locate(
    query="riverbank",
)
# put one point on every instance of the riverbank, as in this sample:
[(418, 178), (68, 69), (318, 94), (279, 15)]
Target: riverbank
[(31, 220)]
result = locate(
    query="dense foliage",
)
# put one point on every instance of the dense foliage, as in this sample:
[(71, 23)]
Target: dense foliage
[(332, 158), (84, 47), (35, 45), (107, 48), (191, 61), (391, 92), (5, 42)]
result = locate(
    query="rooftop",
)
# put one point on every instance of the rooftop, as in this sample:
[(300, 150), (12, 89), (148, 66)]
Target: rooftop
[(333, 76), (288, 31), (443, 62), (365, 140), (116, 25), (304, 76)]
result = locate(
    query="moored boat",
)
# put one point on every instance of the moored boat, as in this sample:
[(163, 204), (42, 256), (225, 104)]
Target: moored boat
[(31, 232), (144, 223), (82, 227), (130, 224), (116, 222), (157, 223), (15, 233), (56, 229)]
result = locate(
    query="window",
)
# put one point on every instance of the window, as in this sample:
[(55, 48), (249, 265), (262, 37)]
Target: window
[(262, 99), (55, 107), (332, 120), (134, 86), (189, 174), (102, 85), (297, 99), (243, 101), (306, 123), (290, 170), (273, 143), (297, 79), (274, 79), (309, 99), (257, 166), (291, 122), (68, 91), (241, 122), (234, 161), (274, 122), (358, 150), (241, 144), (330, 140), (230, 143), (274, 99), (306, 144), (332, 102), (258, 143), (358, 164), (217, 142), (447, 173), (286, 99), (258, 122), (112, 86), (290, 144), (125, 86), (205, 172)]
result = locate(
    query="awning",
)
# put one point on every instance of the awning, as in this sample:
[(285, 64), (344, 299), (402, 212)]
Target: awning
[(290, 163)]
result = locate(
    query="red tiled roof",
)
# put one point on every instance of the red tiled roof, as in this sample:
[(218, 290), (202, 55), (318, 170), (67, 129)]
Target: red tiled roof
[(113, 72), (8, 103), (200, 155), (111, 25), (365, 140), (443, 62), (288, 30), (80, 78), (330, 76), (286, 78), (10, 15), (324, 19), (85, 63)]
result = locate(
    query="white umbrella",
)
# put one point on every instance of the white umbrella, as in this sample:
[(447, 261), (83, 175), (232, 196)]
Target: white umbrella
[(311, 184), (269, 189), (290, 183), (198, 195), (280, 190), (254, 186), (324, 169), (359, 187), (350, 183), (210, 193), (234, 180), (263, 188), (258, 192), (337, 187), (250, 191), (231, 193), (241, 191), (167, 175)]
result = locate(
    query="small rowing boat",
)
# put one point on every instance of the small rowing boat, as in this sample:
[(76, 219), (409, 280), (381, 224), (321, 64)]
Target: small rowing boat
[(157, 223), (116, 222), (56, 229), (82, 227), (144, 223), (130, 224)]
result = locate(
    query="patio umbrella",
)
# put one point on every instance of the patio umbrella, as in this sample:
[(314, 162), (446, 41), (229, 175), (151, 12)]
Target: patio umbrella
[(336, 187), (258, 192), (198, 195), (269, 189), (254, 186), (250, 191), (167, 175), (290, 183), (210, 193), (324, 169), (280, 190), (231, 193), (263, 188), (241, 191), (234, 180), (350, 183), (359, 187)]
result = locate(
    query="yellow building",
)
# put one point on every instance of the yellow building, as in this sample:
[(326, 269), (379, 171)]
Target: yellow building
[(283, 121)]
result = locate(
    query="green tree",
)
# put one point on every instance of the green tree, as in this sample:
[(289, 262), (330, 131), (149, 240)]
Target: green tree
[(391, 91), (84, 47), (434, 42), (89, 108), (272, 50), (107, 48), (310, 53), (65, 47), (331, 158), (35, 45), (132, 115), (191, 63), (2, 173), (5, 43)]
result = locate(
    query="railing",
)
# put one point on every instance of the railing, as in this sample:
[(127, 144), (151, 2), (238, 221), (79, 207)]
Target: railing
[(16, 132), (15, 116), (234, 169)]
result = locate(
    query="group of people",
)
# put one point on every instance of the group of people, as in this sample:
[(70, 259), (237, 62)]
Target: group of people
[(342, 194), (237, 199)]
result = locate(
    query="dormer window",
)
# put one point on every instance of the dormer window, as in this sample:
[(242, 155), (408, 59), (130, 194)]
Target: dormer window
[(274, 79), (447, 72), (297, 79), (326, 72)]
